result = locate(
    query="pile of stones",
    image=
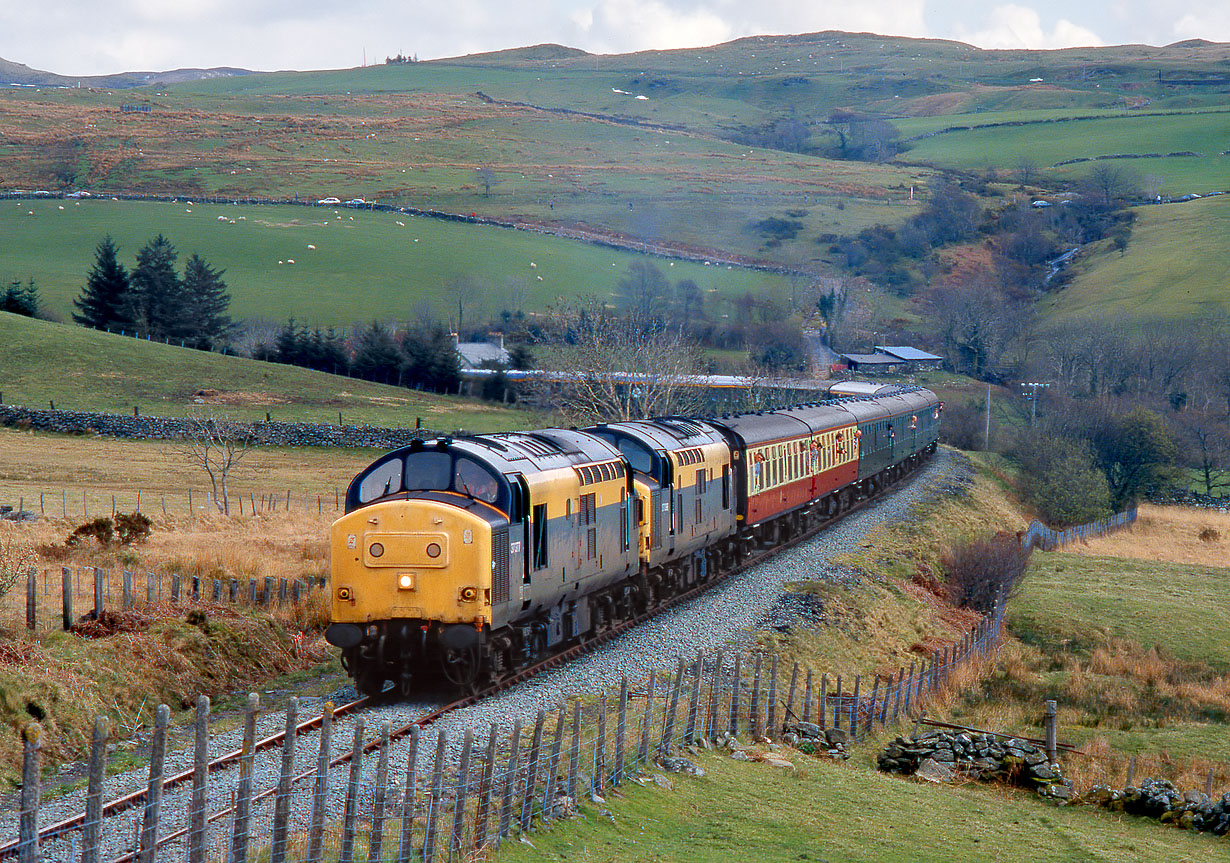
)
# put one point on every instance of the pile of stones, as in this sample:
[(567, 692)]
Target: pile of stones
[(1158, 798), (943, 756), (812, 739)]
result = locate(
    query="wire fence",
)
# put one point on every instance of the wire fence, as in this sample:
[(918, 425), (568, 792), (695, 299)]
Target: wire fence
[(442, 796), (87, 503), (71, 597), (1040, 536)]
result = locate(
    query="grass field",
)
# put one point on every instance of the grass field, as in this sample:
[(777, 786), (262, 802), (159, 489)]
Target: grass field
[(82, 369), (365, 265), (829, 811), (423, 147), (1183, 610), (1046, 142), (1173, 267)]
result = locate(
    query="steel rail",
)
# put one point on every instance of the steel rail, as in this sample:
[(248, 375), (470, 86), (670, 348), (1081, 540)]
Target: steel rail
[(134, 798)]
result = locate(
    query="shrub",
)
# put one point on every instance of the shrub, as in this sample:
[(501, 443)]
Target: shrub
[(1061, 480), (101, 529), (984, 570), (132, 527), (16, 556), (1210, 534)]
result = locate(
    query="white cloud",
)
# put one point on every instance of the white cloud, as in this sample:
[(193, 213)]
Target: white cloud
[(1012, 26), (1211, 22)]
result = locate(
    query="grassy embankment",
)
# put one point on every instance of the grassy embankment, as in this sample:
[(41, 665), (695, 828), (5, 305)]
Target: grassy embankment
[(81, 369), (758, 812), (364, 265)]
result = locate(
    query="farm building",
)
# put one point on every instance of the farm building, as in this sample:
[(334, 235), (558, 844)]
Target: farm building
[(482, 355), (891, 359), (917, 360)]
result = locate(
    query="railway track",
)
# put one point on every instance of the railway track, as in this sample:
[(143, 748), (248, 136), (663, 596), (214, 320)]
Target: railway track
[(135, 798)]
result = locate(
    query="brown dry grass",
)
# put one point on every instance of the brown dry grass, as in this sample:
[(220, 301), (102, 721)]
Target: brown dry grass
[(63, 468), (289, 545), (1170, 533)]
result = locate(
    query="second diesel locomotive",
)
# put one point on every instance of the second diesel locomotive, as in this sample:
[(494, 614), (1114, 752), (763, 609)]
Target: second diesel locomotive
[(472, 557)]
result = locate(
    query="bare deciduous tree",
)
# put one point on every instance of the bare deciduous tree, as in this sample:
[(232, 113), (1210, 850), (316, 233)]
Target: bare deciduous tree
[(600, 366), (217, 445), (16, 556)]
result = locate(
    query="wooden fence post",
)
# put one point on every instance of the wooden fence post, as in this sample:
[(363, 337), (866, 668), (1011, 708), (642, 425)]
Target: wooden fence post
[(91, 827), (531, 772), (574, 750), (689, 731), (824, 695), (794, 683), (483, 816), (599, 778), (296, 591), (375, 841), (405, 849), (872, 713), (771, 729), (251, 591), (736, 685), (621, 731), (1131, 774), (267, 591), (196, 588), (548, 792), (854, 708), (126, 596), (153, 794), (897, 694), (320, 788), (807, 691), (838, 708), (1052, 731), (715, 697), (462, 794), (668, 722), (281, 591), (437, 794), (510, 780), (909, 687), (31, 598), (240, 838), (234, 590), (282, 800), (642, 751), (197, 837), (27, 833), (175, 586), (66, 576), (753, 709)]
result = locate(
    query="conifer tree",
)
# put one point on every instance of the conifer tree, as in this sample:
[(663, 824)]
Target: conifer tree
[(204, 322), (104, 301), (158, 306)]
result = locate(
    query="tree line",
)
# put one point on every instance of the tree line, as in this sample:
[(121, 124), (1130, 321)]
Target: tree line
[(154, 299)]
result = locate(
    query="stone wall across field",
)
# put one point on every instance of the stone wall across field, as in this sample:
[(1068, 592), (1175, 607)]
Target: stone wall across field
[(178, 428)]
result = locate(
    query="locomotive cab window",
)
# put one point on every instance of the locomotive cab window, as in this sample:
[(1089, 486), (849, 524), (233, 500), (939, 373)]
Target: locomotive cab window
[(382, 479)]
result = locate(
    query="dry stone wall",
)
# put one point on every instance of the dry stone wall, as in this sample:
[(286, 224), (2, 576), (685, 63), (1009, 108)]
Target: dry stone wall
[(176, 428)]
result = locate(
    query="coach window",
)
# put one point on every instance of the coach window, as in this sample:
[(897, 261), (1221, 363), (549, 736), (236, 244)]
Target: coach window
[(726, 486)]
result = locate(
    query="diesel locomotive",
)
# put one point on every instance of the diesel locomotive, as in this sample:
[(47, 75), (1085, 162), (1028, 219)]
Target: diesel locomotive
[(471, 557)]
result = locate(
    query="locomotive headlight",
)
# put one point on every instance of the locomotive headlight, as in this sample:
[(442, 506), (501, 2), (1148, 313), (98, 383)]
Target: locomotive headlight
[(405, 581), (433, 550), (469, 594), (376, 549)]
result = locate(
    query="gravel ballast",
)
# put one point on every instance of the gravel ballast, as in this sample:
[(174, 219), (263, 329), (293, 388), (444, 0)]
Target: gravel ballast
[(721, 616)]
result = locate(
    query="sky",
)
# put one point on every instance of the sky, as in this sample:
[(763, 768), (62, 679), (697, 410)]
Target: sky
[(91, 37)]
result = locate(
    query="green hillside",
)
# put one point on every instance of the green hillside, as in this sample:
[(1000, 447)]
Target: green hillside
[(1046, 139), (365, 265), (80, 369), (1174, 267)]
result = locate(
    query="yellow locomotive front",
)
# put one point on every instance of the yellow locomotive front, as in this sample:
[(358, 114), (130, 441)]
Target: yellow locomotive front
[(413, 562)]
